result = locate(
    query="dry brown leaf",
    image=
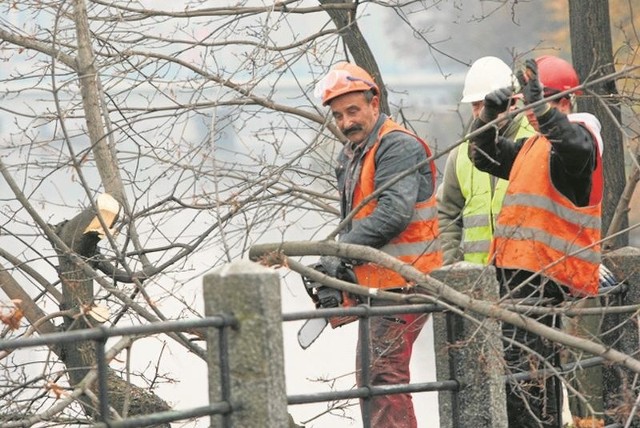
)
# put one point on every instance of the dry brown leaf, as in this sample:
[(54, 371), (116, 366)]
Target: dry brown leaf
[(12, 318), (587, 422), (55, 388)]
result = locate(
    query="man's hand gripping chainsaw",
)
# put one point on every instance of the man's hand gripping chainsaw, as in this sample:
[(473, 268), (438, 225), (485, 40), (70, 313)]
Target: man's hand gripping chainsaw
[(326, 297)]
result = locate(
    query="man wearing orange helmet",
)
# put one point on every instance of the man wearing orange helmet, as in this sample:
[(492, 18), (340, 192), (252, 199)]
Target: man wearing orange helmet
[(546, 242), (401, 221)]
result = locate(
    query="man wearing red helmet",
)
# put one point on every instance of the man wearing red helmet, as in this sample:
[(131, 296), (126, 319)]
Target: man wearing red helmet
[(401, 221), (546, 242)]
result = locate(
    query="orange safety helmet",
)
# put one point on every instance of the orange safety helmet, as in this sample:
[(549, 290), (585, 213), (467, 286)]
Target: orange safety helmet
[(556, 74), (343, 78)]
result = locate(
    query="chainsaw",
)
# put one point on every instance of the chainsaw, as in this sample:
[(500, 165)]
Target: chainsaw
[(326, 297)]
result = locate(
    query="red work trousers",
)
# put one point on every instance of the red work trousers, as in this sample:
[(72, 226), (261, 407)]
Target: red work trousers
[(390, 345)]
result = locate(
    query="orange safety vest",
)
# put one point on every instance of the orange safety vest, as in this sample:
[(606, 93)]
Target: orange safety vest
[(540, 230), (418, 244)]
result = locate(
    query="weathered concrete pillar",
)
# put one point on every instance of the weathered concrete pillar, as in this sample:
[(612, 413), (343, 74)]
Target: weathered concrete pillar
[(621, 333), (587, 381), (251, 293), (470, 354)]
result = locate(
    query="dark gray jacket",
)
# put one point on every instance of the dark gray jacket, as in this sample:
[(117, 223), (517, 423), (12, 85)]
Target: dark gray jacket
[(397, 153)]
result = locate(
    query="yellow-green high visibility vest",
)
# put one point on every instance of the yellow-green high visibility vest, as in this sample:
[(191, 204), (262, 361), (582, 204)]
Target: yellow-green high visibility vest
[(483, 200)]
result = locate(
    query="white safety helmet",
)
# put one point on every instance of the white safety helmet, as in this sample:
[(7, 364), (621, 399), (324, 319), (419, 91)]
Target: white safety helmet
[(486, 75)]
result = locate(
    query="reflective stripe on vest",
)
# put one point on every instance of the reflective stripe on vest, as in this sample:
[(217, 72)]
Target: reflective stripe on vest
[(418, 244), (540, 230), (482, 202)]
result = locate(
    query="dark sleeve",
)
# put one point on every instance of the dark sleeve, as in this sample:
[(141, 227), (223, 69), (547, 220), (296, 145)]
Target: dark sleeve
[(573, 155), (492, 154), (572, 145), (450, 205), (398, 152)]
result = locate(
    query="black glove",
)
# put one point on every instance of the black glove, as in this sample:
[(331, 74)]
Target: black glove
[(496, 102), (329, 297), (333, 266), (532, 89), (336, 268)]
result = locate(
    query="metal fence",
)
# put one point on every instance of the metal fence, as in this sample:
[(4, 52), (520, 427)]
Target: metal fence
[(230, 337), (367, 391), (100, 335)]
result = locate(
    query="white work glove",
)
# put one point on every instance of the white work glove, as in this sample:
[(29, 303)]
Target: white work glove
[(607, 279)]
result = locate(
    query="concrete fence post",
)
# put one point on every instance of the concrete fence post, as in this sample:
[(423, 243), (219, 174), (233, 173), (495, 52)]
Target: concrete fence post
[(251, 293), (621, 333), (471, 354)]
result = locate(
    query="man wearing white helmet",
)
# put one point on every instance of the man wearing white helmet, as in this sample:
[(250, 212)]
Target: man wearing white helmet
[(468, 199)]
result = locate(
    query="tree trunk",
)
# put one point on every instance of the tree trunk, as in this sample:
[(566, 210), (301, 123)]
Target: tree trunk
[(592, 54), (77, 295), (345, 22)]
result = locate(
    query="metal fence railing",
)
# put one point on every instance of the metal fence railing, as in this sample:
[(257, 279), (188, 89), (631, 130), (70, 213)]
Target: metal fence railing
[(100, 335), (232, 338), (366, 391)]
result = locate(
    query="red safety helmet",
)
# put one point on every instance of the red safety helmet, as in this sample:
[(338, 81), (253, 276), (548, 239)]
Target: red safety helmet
[(343, 78), (556, 74)]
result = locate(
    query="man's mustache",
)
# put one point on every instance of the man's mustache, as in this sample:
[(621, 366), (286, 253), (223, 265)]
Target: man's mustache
[(354, 128)]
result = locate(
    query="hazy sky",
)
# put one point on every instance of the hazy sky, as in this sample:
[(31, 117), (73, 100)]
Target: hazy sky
[(452, 34)]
